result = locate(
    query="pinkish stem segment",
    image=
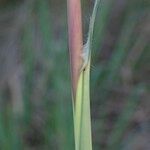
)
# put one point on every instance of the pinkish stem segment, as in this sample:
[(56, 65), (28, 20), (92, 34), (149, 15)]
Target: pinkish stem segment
[(75, 40)]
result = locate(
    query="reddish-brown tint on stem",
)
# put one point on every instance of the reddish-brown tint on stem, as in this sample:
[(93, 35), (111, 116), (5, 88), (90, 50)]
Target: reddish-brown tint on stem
[(75, 40)]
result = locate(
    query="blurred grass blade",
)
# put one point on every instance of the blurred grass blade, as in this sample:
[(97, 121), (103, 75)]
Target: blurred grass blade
[(44, 17), (124, 118), (29, 64), (82, 118), (103, 16), (2, 133)]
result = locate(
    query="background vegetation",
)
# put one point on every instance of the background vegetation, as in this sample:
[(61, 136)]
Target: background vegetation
[(35, 95)]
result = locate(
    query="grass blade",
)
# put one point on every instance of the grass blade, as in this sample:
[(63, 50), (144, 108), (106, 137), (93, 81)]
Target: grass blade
[(124, 118), (82, 118)]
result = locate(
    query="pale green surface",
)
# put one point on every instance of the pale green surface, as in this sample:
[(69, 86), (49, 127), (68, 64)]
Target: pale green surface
[(82, 118)]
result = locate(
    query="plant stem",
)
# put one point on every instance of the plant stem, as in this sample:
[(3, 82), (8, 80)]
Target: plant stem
[(75, 40)]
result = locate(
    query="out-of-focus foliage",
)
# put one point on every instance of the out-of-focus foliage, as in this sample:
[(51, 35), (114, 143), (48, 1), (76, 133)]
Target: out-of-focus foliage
[(35, 94)]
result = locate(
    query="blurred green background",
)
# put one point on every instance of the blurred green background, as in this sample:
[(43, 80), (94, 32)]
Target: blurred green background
[(35, 90)]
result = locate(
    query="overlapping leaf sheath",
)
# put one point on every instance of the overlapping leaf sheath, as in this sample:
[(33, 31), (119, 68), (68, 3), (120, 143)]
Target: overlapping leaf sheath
[(82, 118)]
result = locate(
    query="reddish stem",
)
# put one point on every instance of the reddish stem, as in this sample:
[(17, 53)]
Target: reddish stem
[(75, 40)]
